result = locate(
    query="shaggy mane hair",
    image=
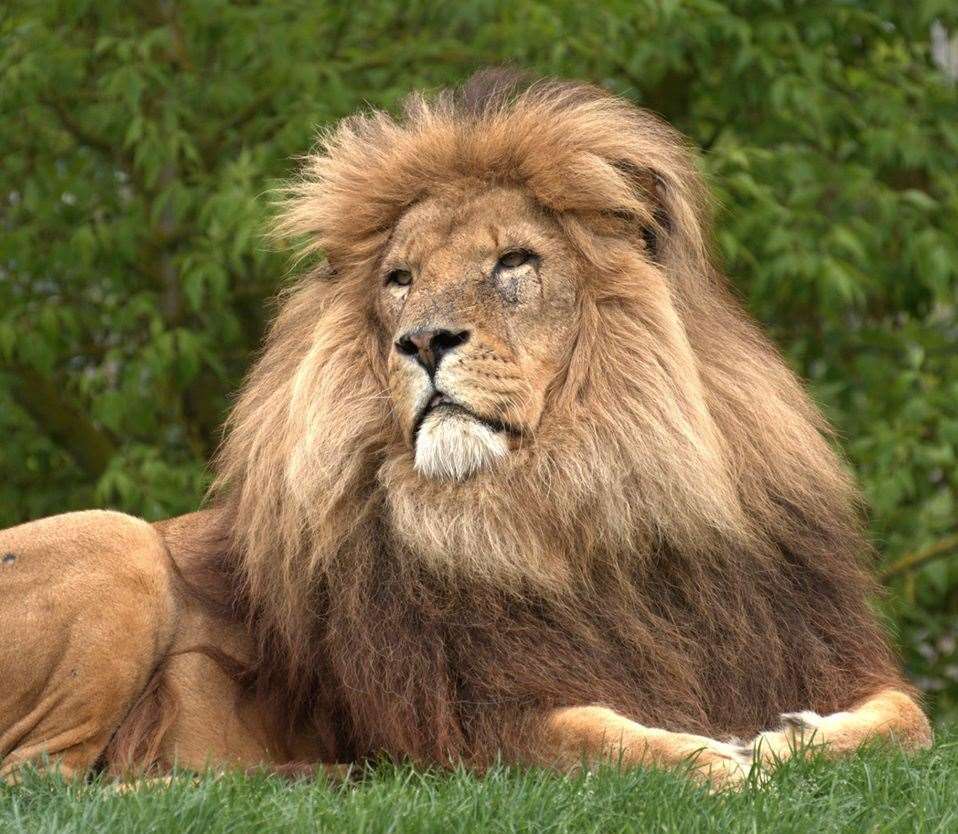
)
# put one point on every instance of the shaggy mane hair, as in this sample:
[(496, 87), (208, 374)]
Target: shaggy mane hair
[(679, 542)]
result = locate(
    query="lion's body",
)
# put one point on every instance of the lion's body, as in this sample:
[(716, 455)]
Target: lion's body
[(542, 505), (86, 616), (107, 662), (112, 662)]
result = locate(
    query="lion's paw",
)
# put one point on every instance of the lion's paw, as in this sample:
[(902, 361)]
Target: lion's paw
[(800, 733), (724, 765), (803, 722)]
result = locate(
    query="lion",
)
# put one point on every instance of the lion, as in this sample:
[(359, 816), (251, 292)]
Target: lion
[(515, 479)]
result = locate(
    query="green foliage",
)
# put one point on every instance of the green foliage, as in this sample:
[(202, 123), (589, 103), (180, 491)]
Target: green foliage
[(141, 140), (877, 790)]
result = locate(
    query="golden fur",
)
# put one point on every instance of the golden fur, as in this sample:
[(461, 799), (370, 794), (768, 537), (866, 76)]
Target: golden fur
[(635, 537)]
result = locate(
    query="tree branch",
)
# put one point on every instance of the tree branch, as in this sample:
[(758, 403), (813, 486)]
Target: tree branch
[(79, 133), (62, 420), (947, 546), (85, 138)]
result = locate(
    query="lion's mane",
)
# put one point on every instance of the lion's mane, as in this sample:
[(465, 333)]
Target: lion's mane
[(679, 542)]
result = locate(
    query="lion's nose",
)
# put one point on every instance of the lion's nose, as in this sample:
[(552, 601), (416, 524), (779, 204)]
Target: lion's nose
[(428, 347)]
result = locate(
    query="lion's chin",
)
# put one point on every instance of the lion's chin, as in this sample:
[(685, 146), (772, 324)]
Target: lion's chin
[(452, 445)]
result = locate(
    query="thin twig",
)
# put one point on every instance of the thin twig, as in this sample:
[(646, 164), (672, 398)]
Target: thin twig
[(947, 546)]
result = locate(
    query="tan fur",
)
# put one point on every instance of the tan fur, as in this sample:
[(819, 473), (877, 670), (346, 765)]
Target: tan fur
[(86, 615), (621, 532), (218, 720), (576, 735)]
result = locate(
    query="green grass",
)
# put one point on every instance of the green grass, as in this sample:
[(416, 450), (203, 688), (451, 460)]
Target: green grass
[(876, 790)]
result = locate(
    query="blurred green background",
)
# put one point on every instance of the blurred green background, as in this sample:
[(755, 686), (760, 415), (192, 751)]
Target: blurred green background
[(139, 142)]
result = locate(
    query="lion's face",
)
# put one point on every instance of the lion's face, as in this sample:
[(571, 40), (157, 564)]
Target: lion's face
[(477, 298)]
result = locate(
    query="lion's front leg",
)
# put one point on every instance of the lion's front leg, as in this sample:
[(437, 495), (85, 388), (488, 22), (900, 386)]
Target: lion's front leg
[(891, 714), (572, 736)]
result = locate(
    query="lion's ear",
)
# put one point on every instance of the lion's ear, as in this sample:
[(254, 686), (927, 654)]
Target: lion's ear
[(673, 217), (655, 233), (656, 223)]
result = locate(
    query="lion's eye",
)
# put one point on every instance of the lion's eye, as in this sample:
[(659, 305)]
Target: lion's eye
[(517, 257), (399, 277)]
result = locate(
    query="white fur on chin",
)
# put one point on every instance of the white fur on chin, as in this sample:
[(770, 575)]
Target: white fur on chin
[(454, 446)]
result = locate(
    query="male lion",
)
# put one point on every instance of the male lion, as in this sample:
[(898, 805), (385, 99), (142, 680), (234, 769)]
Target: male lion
[(515, 476)]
